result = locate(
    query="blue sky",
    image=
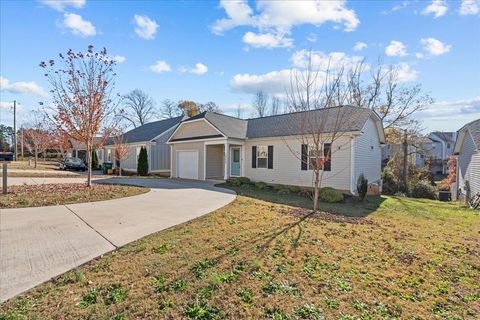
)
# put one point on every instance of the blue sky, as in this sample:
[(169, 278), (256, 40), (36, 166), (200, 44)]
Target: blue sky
[(225, 51)]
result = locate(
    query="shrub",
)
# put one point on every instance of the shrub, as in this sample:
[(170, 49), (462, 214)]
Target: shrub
[(234, 182), (260, 185), (389, 183), (95, 163), (278, 187), (142, 164), (295, 189), (244, 180), (330, 195), (284, 191), (422, 189), (362, 187)]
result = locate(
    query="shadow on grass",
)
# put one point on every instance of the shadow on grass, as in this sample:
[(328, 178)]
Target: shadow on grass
[(347, 208)]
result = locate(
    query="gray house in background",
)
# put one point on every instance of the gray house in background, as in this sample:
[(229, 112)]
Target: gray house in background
[(467, 147), (442, 150), (153, 136)]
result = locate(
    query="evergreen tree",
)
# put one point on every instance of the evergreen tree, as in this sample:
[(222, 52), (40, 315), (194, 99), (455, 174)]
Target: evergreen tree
[(95, 163), (142, 163)]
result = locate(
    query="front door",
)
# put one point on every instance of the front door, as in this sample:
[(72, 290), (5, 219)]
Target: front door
[(235, 162)]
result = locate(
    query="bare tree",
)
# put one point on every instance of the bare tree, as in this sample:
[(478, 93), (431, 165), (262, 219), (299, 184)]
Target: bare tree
[(209, 106), (83, 102), (35, 134), (260, 101), (314, 94), (137, 108), (239, 111), (120, 147), (383, 91), (169, 109), (275, 106)]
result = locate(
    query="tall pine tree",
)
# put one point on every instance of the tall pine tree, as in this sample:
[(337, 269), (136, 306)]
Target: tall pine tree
[(142, 163)]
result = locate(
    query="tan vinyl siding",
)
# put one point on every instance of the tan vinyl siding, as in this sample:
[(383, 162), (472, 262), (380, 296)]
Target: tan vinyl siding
[(194, 129), (468, 167), (368, 154), (184, 147), (215, 161), (287, 164)]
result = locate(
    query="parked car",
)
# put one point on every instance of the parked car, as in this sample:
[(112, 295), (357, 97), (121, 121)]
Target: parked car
[(6, 156), (71, 163)]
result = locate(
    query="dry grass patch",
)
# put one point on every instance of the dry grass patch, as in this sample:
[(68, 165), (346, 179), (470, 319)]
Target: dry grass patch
[(64, 193), (409, 259)]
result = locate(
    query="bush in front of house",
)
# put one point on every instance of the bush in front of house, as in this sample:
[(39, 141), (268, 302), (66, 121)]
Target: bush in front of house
[(260, 185), (362, 187), (330, 195), (142, 164), (422, 189), (389, 182), (244, 180), (95, 163), (295, 189), (234, 182)]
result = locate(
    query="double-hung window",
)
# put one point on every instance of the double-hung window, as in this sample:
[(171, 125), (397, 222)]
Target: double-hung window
[(262, 157), (316, 158)]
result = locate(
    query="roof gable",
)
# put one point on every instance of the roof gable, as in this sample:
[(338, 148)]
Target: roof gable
[(472, 128)]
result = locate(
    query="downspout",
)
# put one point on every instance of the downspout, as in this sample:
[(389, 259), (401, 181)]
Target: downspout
[(352, 166)]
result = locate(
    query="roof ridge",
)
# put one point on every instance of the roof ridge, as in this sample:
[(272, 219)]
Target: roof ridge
[(305, 111)]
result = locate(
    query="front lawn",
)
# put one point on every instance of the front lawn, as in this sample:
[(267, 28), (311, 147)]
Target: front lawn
[(64, 193), (400, 259)]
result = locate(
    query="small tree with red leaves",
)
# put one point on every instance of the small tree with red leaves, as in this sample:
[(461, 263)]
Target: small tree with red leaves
[(452, 173), (121, 148), (83, 104)]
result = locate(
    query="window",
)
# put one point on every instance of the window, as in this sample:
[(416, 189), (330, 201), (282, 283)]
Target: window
[(109, 155), (262, 157), (100, 154), (316, 159), (448, 145)]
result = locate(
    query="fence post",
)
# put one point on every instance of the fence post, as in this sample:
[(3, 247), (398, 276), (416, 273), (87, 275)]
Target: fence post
[(4, 178)]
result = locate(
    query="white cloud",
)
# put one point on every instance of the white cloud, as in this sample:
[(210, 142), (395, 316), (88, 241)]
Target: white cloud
[(403, 5), (453, 110), (312, 37), (145, 27), (359, 46), (199, 69), (119, 59), (405, 73), (322, 61), (275, 82), (60, 5), (160, 66), (267, 40), (435, 47), (78, 26), (438, 8), (21, 87), (419, 55), (278, 17), (469, 7), (396, 48), (6, 105)]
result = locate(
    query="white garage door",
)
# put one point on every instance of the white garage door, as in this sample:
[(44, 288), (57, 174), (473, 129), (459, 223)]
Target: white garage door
[(187, 164)]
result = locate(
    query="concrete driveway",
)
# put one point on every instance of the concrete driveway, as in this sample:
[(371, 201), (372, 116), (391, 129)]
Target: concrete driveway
[(37, 244)]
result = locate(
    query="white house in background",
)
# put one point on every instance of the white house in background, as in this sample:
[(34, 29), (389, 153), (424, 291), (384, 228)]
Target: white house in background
[(79, 150), (268, 149), (151, 135), (467, 147), (443, 149)]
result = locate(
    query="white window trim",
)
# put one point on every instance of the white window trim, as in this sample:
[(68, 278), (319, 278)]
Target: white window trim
[(266, 157), (310, 147)]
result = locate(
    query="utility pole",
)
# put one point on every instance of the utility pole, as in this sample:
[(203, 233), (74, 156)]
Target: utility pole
[(15, 129)]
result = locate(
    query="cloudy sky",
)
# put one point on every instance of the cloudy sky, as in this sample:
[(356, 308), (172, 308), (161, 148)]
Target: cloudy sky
[(225, 51)]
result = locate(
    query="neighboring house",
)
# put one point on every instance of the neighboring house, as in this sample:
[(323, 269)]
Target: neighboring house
[(467, 147), (442, 150), (79, 150), (151, 135), (268, 149)]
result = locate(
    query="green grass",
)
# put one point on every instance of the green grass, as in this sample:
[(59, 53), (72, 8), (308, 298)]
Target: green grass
[(390, 258)]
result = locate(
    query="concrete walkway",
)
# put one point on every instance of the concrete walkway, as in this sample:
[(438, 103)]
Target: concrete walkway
[(37, 244)]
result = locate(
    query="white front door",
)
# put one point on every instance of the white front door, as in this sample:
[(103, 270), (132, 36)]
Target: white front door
[(187, 164)]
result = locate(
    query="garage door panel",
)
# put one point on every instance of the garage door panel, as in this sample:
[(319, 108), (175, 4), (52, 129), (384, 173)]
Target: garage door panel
[(187, 164)]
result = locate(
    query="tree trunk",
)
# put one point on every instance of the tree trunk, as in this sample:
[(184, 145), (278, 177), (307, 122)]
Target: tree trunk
[(120, 168), (89, 166), (36, 157), (316, 191), (405, 163)]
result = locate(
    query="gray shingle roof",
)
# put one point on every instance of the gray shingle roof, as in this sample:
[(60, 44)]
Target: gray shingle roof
[(149, 130), (229, 126), (445, 136), (474, 128), (337, 119)]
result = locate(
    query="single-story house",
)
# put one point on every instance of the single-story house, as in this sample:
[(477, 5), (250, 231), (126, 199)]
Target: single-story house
[(79, 150), (151, 135), (467, 147), (270, 149)]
